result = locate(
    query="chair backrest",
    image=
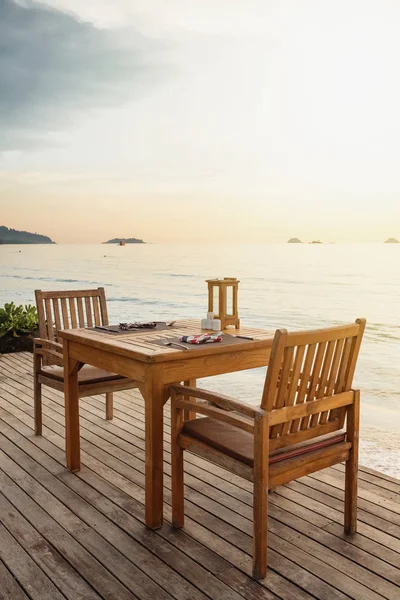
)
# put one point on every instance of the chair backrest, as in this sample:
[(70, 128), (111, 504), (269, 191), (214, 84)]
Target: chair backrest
[(70, 309), (308, 366)]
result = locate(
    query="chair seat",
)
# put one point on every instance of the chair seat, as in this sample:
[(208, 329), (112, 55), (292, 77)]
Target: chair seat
[(239, 444), (88, 374)]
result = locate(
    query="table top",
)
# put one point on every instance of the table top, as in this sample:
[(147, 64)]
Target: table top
[(138, 344)]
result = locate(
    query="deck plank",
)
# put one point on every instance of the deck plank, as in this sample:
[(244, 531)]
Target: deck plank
[(44, 554), (25, 570), (99, 514), (10, 588)]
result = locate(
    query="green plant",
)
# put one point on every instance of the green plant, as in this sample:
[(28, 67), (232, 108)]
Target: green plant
[(17, 319)]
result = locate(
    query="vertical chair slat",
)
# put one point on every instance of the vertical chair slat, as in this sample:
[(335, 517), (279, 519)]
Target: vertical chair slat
[(315, 378), (355, 349), (49, 320), (341, 378), (324, 380), (273, 372), (41, 314), (283, 385), (80, 312), (57, 318), (103, 306), (64, 309), (89, 318), (333, 374), (95, 303), (72, 312), (305, 382), (294, 384), (340, 382)]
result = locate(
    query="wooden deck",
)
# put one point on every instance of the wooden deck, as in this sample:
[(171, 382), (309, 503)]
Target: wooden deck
[(81, 536)]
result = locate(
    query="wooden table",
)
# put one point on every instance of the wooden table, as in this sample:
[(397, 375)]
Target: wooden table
[(154, 368)]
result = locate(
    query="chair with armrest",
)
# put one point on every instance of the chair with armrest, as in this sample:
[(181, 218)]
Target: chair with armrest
[(308, 420), (69, 310)]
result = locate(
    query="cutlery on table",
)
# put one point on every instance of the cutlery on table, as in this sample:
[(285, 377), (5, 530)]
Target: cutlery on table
[(176, 344), (106, 329)]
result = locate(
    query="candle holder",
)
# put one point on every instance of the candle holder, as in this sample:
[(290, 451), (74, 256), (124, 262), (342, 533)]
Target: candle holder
[(223, 300)]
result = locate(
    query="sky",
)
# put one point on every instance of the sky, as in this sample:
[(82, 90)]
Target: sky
[(200, 120)]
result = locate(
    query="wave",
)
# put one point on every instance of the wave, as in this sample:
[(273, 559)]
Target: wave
[(176, 275), (143, 302), (57, 280)]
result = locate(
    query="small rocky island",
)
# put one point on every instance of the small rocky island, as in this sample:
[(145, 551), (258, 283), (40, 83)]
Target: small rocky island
[(294, 241), (123, 241), (14, 236), (392, 241)]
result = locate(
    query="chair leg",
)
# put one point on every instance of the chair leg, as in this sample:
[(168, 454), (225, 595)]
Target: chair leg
[(38, 407), (260, 530), (351, 472), (260, 501), (109, 406), (177, 477), (37, 396)]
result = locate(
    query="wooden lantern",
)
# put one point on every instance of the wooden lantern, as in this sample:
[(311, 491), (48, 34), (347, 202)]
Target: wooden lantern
[(223, 300)]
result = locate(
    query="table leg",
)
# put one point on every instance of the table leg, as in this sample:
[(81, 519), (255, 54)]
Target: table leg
[(71, 396), (153, 394), (188, 415)]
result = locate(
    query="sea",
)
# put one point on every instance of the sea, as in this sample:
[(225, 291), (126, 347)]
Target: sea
[(296, 286)]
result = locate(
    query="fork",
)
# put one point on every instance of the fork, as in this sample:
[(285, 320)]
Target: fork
[(167, 343)]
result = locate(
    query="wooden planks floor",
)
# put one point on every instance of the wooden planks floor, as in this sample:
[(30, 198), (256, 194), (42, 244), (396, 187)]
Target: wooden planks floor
[(81, 536)]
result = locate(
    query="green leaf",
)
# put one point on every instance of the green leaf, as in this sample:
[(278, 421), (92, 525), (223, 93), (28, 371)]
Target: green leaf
[(17, 319)]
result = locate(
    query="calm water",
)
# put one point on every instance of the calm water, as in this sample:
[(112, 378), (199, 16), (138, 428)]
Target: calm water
[(293, 286)]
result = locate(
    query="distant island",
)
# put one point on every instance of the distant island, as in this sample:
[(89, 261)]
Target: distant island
[(294, 241), (316, 242), (392, 241), (123, 241), (14, 236)]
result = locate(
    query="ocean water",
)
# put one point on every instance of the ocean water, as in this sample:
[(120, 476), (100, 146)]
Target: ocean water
[(281, 285)]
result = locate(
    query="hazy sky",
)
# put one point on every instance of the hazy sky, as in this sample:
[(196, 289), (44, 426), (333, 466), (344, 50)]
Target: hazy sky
[(198, 120)]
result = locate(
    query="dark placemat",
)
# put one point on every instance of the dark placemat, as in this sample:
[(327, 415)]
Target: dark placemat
[(115, 329), (227, 340)]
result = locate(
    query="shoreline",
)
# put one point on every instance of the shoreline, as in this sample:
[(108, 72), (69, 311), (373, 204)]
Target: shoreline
[(380, 450)]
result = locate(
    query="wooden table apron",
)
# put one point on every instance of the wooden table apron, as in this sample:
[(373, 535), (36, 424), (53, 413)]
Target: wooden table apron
[(152, 378)]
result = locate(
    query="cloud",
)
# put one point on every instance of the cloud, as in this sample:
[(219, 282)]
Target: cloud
[(54, 66)]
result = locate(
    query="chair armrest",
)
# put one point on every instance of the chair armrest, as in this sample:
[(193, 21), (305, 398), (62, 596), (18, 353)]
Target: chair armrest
[(42, 343), (48, 349), (220, 400), (230, 417)]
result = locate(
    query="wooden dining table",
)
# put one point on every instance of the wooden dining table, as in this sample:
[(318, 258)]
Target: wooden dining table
[(142, 356)]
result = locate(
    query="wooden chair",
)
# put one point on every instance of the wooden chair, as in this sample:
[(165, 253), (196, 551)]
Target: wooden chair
[(308, 420), (68, 310)]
